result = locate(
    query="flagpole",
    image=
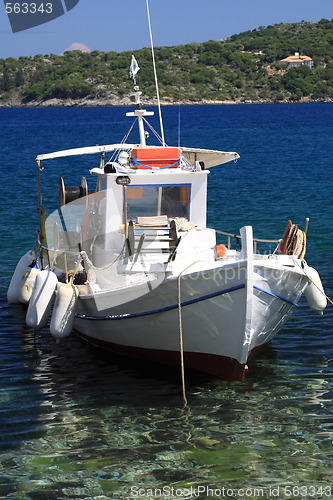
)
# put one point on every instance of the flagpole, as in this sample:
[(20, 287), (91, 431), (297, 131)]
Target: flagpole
[(156, 82), (139, 112)]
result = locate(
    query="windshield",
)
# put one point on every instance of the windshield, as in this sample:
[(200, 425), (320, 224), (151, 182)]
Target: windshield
[(149, 201)]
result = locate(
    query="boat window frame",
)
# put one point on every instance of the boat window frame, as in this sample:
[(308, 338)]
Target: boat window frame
[(187, 184)]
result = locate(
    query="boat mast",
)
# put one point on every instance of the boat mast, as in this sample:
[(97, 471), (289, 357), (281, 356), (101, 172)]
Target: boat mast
[(139, 112), (155, 74)]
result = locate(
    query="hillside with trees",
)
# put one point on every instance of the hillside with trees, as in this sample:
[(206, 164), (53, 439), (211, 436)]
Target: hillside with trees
[(243, 68)]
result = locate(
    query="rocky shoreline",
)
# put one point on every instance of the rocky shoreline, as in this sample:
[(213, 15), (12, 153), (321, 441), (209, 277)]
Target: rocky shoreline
[(113, 100)]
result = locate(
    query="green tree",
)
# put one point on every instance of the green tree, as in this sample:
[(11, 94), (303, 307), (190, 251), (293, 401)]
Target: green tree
[(6, 82), (298, 81), (19, 77)]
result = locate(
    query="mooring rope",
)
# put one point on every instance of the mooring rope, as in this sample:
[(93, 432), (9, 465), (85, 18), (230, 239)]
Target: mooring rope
[(181, 334)]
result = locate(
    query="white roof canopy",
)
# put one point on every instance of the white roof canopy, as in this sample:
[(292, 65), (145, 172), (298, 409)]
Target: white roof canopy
[(90, 150), (210, 157)]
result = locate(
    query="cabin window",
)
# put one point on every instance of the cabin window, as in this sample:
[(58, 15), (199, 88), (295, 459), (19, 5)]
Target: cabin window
[(149, 201)]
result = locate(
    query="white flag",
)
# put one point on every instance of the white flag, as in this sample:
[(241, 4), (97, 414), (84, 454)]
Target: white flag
[(134, 67)]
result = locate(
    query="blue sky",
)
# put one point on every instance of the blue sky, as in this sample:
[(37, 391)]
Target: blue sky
[(122, 25)]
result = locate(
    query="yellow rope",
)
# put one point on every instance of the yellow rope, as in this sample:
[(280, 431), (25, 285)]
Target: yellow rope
[(181, 334)]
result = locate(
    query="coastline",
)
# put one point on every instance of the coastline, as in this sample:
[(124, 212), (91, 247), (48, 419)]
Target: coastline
[(114, 101)]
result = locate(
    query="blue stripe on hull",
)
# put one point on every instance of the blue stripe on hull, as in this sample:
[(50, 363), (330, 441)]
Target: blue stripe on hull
[(276, 296), (162, 309), (184, 304)]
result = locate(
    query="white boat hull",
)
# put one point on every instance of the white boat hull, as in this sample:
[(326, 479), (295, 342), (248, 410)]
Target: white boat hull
[(224, 321)]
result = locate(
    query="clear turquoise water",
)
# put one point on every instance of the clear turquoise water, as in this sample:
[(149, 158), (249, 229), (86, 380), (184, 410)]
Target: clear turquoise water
[(75, 424)]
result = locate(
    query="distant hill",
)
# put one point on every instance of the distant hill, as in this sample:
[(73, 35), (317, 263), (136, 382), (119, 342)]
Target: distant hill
[(243, 68)]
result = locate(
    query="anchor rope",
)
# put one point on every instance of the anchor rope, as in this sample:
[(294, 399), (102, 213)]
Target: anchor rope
[(185, 405)]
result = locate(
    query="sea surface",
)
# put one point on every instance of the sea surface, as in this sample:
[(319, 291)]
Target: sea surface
[(77, 424)]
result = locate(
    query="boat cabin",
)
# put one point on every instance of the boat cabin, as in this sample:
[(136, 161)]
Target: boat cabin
[(149, 193), (147, 200)]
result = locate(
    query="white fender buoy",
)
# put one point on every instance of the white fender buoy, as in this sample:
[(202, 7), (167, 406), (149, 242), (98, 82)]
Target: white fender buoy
[(314, 292), (15, 283), (64, 309), (41, 299), (27, 284)]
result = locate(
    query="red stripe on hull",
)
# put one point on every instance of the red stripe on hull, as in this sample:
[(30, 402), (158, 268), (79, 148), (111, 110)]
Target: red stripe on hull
[(221, 366)]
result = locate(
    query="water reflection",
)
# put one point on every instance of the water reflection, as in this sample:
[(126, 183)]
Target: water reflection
[(84, 425)]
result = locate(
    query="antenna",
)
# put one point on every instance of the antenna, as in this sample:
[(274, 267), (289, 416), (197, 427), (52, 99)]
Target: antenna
[(156, 82)]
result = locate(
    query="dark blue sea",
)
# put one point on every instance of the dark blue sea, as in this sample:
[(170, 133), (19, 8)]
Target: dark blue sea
[(77, 424)]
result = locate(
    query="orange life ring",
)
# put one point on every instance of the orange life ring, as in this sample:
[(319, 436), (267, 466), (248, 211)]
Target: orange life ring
[(220, 251)]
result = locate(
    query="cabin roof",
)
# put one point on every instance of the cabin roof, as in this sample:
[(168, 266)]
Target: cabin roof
[(209, 157)]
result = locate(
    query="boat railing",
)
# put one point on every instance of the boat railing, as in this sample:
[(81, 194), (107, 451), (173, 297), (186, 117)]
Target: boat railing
[(238, 239), (71, 258), (58, 251)]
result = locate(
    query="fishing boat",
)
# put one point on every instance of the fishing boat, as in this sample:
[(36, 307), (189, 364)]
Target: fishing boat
[(132, 267)]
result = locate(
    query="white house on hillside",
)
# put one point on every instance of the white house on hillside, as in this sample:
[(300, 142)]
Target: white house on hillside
[(297, 60)]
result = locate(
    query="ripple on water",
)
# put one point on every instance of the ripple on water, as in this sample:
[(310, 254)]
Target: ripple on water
[(104, 427), (75, 424)]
